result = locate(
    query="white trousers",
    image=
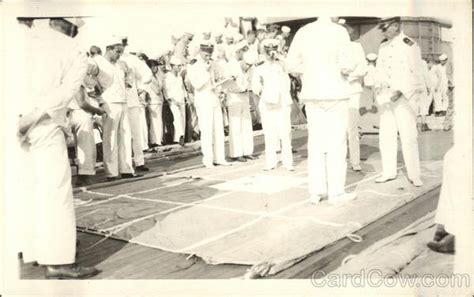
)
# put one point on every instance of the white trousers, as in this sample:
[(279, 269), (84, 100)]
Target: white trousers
[(327, 146), (446, 211), (179, 120), (54, 240), (276, 124), (134, 117), (212, 134), (424, 103), (117, 141), (156, 127), (399, 116), (240, 130), (82, 126), (441, 100), (144, 128), (353, 129)]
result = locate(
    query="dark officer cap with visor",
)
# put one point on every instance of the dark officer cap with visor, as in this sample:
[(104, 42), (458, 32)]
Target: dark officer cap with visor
[(384, 23), (207, 48), (270, 44)]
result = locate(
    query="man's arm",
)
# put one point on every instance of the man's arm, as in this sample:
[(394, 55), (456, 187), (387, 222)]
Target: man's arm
[(294, 59), (72, 79), (81, 101)]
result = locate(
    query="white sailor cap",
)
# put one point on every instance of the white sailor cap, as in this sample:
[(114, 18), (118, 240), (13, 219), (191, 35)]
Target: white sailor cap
[(443, 57), (285, 29), (241, 45), (113, 40), (371, 57)]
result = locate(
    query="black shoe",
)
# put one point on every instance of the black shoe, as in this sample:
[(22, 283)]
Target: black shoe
[(445, 245), (240, 159), (425, 127), (181, 141), (70, 272), (142, 168), (113, 178), (440, 233), (131, 175), (83, 180), (250, 157), (294, 151)]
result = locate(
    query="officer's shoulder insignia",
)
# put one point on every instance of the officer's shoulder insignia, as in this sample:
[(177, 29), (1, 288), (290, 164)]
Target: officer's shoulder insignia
[(384, 40), (408, 41), (193, 61)]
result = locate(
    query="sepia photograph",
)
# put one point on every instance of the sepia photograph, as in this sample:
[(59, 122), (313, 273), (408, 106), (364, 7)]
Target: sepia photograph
[(158, 143)]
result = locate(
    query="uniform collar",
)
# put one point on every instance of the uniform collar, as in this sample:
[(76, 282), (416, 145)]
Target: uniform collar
[(399, 37)]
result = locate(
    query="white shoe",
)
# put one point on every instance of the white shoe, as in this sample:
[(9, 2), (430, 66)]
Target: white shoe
[(315, 199), (416, 182), (342, 198), (209, 166), (356, 168), (223, 163), (384, 179)]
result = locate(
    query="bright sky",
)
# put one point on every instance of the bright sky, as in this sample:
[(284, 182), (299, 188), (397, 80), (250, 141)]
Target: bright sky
[(152, 35)]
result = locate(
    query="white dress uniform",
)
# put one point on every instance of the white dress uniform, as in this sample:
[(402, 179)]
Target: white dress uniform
[(116, 142), (50, 74), (135, 106), (144, 76), (443, 100), (174, 89), (154, 89), (209, 113), (425, 98), (321, 51), (275, 108), (355, 80), (399, 69), (451, 196), (435, 87), (240, 121), (82, 125)]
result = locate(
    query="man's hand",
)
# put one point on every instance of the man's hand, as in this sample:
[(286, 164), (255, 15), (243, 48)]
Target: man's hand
[(362, 111), (374, 109), (100, 111), (28, 120), (396, 95)]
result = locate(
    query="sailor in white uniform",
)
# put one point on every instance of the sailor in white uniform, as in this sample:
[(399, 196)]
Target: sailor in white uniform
[(398, 85)]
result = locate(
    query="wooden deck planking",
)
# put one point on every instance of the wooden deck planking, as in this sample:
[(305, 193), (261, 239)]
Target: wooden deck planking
[(121, 260), (330, 258)]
